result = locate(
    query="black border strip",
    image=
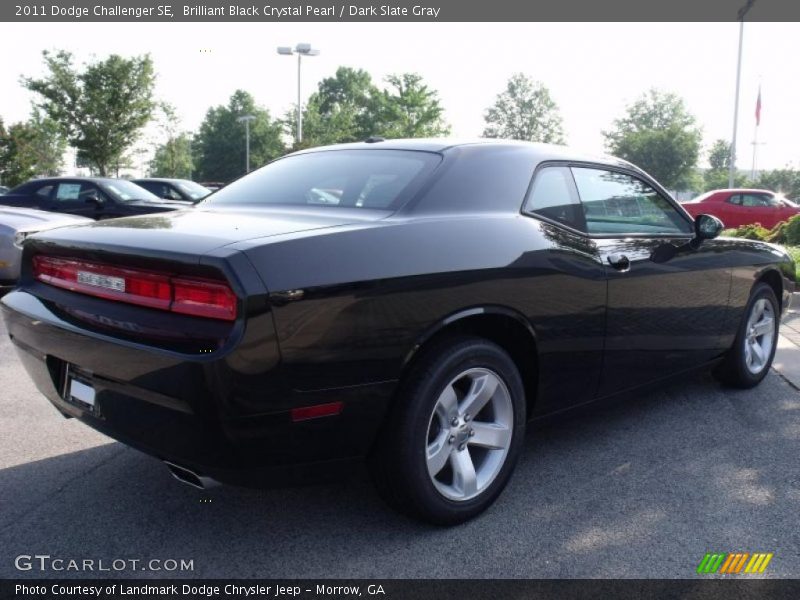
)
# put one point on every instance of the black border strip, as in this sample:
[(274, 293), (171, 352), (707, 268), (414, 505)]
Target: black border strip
[(401, 10), (741, 588)]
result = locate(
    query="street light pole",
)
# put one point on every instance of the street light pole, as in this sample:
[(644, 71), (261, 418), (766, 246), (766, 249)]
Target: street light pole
[(301, 50), (299, 100), (732, 171), (246, 120)]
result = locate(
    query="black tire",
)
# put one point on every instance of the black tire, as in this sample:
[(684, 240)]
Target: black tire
[(399, 464), (733, 371)]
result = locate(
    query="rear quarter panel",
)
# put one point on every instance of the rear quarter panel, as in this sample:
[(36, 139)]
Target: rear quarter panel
[(362, 299)]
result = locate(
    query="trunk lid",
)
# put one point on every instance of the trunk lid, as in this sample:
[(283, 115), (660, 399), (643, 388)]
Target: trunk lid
[(197, 231)]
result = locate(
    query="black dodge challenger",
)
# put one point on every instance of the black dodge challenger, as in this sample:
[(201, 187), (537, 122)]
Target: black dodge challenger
[(411, 303)]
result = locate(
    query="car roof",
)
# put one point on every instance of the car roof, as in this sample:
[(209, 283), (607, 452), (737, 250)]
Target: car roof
[(741, 191), (538, 151), (68, 178), (159, 179)]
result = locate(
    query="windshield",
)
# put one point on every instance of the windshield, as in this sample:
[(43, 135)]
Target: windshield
[(194, 190), (125, 191), (381, 179)]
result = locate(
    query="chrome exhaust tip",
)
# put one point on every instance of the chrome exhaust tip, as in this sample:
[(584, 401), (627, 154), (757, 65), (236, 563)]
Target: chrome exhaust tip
[(189, 477)]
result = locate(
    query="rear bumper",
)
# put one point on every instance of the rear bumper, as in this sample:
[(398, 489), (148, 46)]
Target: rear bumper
[(188, 409)]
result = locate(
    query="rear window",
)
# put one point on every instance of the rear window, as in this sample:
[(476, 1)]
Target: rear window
[(378, 179)]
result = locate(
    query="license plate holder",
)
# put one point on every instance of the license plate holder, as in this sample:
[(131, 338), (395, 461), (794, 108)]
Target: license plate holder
[(79, 391)]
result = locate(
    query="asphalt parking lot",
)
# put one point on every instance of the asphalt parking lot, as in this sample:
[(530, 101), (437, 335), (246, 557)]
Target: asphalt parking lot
[(639, 489)]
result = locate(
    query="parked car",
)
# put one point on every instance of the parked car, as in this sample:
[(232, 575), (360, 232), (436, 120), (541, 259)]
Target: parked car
[(451, 293), (738, 207), (182, 190), (16, 224), (93, 197)]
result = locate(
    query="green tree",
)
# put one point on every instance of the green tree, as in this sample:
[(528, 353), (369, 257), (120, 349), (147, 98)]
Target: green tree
[(719, 156), (219, 146), (349, 107), (343, 109), (101, 108), (30, 149), (719, 160), (524, 111), (16, 161), (47, 144), (786, 181), (659, 135), (409, 109), (4, 158), (173, 158)]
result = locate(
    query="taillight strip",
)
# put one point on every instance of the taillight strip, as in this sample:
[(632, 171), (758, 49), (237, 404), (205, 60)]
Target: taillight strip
[(185, 295)]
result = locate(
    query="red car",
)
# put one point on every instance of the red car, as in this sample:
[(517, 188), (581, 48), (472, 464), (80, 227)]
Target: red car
[(743, 207)]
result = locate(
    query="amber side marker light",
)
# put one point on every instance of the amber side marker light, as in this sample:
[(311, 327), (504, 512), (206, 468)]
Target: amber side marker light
[(185, 295), (306, 413)]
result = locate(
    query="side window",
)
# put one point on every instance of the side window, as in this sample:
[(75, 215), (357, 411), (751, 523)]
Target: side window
[(767, 200), (752, 200), (68, 193), (554, 197), (88, 190), (75, 194), (616, 203), (735, 199), (170, 193)]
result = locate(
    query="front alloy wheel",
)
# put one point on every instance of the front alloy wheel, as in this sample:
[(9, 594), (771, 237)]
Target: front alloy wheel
[(749, 359), (760, 337)]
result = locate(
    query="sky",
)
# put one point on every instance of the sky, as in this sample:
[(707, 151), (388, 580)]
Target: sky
[(593, 70)]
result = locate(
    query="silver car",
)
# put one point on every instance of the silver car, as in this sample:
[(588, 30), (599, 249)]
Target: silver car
[(15, 225)]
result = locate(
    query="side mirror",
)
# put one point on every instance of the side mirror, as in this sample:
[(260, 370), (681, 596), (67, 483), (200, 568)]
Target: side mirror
[(707, 227), (93, 198)]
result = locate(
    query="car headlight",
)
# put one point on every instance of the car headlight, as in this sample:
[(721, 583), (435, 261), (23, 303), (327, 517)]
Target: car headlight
[(20, 237)]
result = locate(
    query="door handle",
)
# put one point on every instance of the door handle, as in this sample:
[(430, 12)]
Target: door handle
[(619, 261)]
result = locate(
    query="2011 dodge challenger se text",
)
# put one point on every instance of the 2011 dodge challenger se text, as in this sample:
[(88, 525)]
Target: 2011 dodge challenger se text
[(411, 303)]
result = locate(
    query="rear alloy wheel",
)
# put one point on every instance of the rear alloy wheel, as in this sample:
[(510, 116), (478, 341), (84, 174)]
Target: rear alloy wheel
[(748, 361), (469, 434), (455, 434)]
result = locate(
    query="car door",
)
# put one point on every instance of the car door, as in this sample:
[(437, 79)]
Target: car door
[(749, 208), (667, 297), (567, 297), (759, 209)]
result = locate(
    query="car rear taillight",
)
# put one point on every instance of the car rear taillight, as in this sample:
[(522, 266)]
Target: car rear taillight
[(203, 299), (197, 297)]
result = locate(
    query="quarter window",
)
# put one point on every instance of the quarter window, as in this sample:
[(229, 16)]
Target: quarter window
[(554, 197), (44, 191), (616, 203)]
